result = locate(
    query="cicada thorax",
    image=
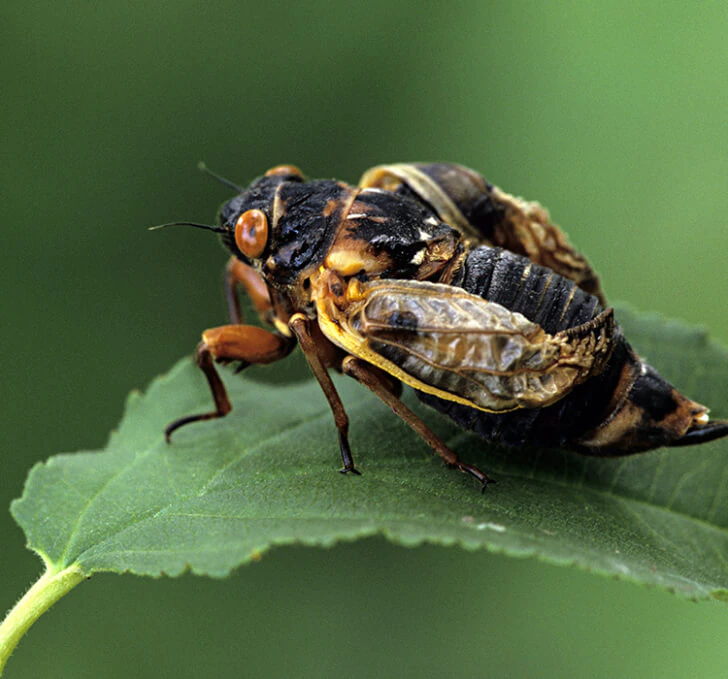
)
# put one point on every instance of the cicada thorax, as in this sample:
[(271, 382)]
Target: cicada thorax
[(458, 195), (383, 235), (485, 214), (306, 218)]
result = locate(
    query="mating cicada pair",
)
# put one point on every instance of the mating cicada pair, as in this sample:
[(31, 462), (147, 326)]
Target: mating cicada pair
[(427, 275)]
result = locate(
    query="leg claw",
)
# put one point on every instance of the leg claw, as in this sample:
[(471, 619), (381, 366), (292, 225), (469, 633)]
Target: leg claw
[(350, 470), (474, 471)]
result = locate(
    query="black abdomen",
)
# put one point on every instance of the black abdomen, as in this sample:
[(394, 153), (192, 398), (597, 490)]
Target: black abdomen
[(555, 303), (542, 296)]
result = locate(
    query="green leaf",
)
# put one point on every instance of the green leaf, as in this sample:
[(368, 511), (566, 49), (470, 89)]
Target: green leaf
[(225, 491)]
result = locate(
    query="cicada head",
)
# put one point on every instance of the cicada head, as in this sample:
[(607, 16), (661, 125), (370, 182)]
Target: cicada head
[(284, 226), (247, 220)]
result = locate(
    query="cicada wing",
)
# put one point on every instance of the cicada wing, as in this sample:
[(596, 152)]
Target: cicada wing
[(445, 341)]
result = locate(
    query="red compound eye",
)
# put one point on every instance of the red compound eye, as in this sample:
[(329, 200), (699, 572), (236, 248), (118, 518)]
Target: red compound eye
[(251, 233)]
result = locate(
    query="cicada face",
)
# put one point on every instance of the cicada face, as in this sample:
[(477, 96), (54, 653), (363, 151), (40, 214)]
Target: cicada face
[(284, 227), (247, 218)]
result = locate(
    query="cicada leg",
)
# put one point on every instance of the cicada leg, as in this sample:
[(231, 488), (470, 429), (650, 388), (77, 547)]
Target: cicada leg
[(317, 351), (245, 343), (370, 378), (237, 273)]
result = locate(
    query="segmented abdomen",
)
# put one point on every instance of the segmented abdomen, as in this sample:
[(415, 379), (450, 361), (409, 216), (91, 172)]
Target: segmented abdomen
[(555, 303), (513, 281)]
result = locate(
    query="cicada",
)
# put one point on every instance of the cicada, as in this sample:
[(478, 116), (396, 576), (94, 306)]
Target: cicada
[(427, 275)]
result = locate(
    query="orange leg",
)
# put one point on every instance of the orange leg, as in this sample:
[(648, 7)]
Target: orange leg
[(239, 273), (246, 343), (318, 352), (363, 372)]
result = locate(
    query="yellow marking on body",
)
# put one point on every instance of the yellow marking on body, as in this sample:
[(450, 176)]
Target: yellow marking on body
[(331, 206), (344, 262), (546, 286), (354, 291), (418, 257), (568, 302), (524, 276)]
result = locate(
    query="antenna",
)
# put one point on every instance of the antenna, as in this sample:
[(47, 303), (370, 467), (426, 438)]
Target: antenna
[(201, 166), (216, 229)]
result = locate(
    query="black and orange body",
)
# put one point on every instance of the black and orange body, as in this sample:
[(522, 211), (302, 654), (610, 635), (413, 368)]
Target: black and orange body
[(427, 275)]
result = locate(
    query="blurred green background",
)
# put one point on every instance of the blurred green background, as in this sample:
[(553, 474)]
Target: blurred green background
[(614, 115)]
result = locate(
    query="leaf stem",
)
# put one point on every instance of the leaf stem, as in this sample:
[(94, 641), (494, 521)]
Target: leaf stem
[(48, 589)]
